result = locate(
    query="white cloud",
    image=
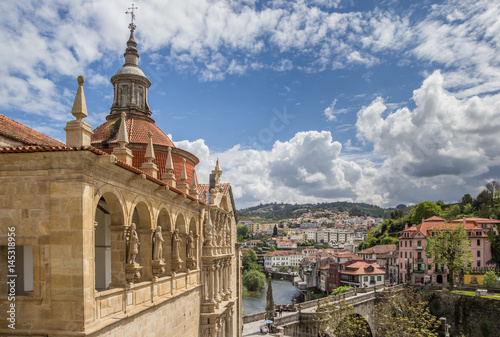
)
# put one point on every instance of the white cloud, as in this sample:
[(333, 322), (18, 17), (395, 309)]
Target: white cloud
[(444, 141), (331, 113)]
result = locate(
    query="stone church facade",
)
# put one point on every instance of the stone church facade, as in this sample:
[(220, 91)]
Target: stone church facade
[(113, 234)]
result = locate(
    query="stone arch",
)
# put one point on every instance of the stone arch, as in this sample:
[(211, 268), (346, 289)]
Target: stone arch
[(362, 324), (141, 216), (108, 213), (164, 220), (115, 202)]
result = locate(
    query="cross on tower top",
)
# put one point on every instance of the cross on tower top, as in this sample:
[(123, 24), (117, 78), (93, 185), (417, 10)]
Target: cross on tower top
[(131, 26)]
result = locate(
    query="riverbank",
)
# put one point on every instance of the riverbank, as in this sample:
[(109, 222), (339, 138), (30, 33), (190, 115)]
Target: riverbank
[(255, 301)]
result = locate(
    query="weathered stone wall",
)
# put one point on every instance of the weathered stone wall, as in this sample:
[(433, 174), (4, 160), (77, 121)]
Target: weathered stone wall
[(179, 316), (465, 313)]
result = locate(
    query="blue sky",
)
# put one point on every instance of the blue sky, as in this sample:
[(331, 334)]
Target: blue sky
[(384, 102)]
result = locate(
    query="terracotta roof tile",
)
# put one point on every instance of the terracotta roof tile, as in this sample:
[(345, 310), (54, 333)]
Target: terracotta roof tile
[(137, 132), (360, 268), (32, 149), (379, 249), (202, 188), (23, 134)]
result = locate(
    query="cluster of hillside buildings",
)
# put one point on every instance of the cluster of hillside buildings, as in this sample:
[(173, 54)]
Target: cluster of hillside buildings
[(327, 269)]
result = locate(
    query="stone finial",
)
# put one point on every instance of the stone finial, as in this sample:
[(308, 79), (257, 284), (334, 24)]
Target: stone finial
[(150, 153), (169, 176), (217, 169), (78, 132), (183, 172), (122, 137), (148, 166), (79, 109), (183, 185), (169, 165), (122, 153), (193, 191)]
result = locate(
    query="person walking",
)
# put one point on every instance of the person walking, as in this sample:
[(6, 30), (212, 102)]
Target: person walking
[(287, 306), (281, 310)]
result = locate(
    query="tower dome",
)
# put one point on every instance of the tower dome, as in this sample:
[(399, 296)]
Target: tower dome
[(131, 97)]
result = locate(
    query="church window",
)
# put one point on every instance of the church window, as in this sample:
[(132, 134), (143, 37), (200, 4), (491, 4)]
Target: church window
[(22, 262), (140, 99), (123, 96)]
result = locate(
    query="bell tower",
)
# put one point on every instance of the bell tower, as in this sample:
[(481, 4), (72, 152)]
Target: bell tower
[(130, 84)]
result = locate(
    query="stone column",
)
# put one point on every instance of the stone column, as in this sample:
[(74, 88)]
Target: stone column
[(118, 255), (226, 281), (217, 281), (167, 250), (211, 283), (221, 279), (146, 252)]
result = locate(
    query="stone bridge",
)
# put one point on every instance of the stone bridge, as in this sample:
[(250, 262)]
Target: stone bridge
[(302, 321)]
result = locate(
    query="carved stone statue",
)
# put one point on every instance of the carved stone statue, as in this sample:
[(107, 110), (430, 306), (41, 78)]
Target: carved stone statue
[(190, 245), (133, 245), (176, 247), (158, 245), (228, 232)]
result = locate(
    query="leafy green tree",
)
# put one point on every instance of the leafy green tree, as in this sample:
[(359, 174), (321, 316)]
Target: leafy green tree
[(404, 313), (272, 249), (490, 279), (254, 280), (242, 232), (453, 212), (248, 257), (450, 246), (340, 290), (425, 209), (339, 319), (466, 199)]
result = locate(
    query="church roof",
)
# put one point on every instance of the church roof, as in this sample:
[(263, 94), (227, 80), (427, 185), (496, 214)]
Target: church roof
[(137, 132), (202, 188), (23, 134)]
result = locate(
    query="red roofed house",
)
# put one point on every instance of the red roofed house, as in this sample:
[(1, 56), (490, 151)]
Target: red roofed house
[(413, 262), (362, 274)]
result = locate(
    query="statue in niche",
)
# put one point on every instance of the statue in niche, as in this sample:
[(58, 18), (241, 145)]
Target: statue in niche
[(133, 245), (190, 245), (158, 245), (228, 232), (176, 247)]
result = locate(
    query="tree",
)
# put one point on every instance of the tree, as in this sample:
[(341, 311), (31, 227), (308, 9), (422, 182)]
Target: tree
[(275, 230), (248, 257), (490, 279), (242, 232), (404, 313), (466, 199), (272, 249), (425, 209), (254, 280), (339, 319), (450, 246)]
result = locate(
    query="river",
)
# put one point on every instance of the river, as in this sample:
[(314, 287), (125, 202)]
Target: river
[(255, 301)]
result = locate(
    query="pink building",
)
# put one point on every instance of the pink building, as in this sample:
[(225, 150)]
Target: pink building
[(414, 266)]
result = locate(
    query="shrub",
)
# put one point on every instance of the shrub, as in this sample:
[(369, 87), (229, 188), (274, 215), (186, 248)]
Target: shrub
[(340, 290)]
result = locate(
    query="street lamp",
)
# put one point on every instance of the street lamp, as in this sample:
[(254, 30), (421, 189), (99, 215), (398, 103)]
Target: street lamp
[(446, 327)]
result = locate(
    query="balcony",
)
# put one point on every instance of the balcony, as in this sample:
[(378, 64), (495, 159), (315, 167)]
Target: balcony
[(419, 271), (419, 247), (419, 259)]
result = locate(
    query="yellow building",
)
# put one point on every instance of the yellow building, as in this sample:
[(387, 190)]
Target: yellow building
[(110, 232)]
